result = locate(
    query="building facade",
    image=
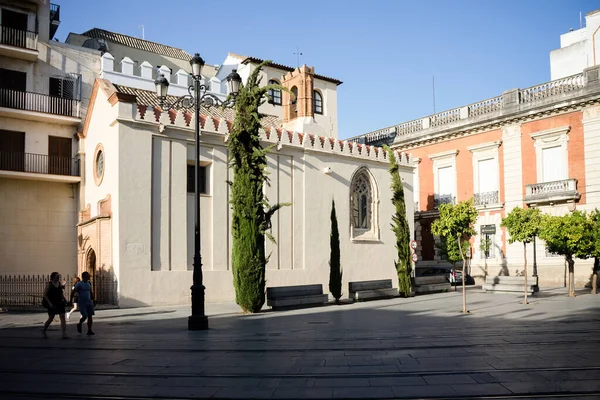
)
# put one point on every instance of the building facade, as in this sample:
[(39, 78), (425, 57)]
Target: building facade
[(532, 147)]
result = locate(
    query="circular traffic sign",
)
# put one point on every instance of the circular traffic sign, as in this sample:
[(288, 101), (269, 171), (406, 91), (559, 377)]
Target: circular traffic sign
[(413, 244), (415, 257)]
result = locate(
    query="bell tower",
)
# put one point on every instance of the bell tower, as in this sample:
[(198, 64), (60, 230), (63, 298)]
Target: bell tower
[(298, 103)]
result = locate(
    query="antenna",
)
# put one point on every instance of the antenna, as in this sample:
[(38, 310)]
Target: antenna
[(143, 36), (433, 88), (298, 54)]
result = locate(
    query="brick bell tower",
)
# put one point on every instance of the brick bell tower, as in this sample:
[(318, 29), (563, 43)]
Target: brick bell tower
[(298, 114)]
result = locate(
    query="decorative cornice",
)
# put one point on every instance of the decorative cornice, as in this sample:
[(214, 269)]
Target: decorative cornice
[(444, 154), (485, 146), (121, 97), (551, 132)]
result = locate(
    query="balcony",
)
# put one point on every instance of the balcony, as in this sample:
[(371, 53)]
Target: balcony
[(54, 19), (486, 198), (39, 167), (39, 107), (552, 192), (17, 43), (440, 199)]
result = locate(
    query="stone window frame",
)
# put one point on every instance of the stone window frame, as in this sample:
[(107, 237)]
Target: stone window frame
[(318, 109), (275, 94), (99, 149), (372, 233), (442, 160), (482, 152), (551, 138)]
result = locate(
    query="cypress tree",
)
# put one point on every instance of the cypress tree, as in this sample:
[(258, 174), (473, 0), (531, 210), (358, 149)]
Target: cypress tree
[(400, 227), (335, 269), (250, 209)]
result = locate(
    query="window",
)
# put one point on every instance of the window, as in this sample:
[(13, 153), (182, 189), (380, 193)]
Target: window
[(59, 155), (294, 99), (63, 88), (552, 154), (444, 177), (13, 80), (274, 94), (12, 150), (553, 168), (364, 206), (486, 175), (317, 102), (202, 187), (99, 164)]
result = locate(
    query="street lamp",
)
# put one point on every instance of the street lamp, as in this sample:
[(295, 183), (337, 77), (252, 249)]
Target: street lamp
[(197, 96)]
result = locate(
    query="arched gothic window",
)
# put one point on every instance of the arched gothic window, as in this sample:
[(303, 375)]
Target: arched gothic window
[(274, 94), (361, 201)]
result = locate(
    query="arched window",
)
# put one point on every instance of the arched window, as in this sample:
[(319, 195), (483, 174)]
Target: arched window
[(364, 206), (274, 94), (295, 99), (361, 201), (317, 102)]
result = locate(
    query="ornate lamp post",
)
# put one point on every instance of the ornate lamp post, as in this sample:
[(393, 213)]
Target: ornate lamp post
[(197, 96)]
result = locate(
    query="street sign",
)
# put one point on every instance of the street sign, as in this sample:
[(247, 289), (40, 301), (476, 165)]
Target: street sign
[(413, 244), (415, 257), (488, 229)]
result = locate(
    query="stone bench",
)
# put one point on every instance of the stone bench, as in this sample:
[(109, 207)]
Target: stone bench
[(369, 290), (510, 284), (287, 297), (431, 284)]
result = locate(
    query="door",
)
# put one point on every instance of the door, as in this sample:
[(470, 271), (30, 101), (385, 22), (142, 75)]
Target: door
[(14, 28), (12, 88), (12, 151), (59, 155)]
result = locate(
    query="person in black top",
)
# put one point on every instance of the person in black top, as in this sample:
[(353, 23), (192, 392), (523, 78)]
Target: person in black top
[(55, 302)]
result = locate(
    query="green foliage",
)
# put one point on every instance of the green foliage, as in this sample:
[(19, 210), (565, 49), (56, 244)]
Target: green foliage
[(595, 224), (571, 235), (456, 221), (522, 224), (400, 227), (449, 250), (485, 245), (251, 211), (335, 269)]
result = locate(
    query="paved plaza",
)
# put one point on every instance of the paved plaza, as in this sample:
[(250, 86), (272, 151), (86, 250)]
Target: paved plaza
[(415, 348)]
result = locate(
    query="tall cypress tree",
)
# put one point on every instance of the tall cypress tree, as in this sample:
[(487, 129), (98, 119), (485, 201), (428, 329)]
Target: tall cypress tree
[(335, 269), (400, 227), (251, 212)]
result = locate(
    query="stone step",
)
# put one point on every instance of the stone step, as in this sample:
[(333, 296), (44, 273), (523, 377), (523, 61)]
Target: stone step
[(432, 288), (374, 294), (429, 280), (297, 302), (510, 280)]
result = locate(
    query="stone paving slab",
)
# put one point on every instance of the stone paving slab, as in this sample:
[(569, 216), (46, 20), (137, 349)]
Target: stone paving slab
[(399, 348)]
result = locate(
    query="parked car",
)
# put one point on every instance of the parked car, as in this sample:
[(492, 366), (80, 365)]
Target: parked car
[(453, 276)]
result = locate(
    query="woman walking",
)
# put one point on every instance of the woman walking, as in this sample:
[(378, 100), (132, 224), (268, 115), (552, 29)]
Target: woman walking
[(74, 298), (55, 302)]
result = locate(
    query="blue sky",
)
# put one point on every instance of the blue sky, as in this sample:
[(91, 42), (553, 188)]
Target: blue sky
[(385, 51)]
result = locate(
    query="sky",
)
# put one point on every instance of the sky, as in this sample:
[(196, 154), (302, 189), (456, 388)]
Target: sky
[(387, 52)]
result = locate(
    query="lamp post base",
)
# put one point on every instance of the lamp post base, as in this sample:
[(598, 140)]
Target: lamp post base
[(197, 322)]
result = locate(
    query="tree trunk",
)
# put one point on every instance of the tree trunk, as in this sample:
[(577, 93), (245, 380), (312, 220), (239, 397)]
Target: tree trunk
[(464, 271), (571, 263), (525, 271), (595, 275)]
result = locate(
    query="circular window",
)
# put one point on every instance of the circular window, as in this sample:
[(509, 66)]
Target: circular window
[(99, 164)]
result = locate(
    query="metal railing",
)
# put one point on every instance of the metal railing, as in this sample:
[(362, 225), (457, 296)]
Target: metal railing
[(39, 102), (18, 38), (39, 163), (440, 199), (480, 199), (54, 12), (28, 290)]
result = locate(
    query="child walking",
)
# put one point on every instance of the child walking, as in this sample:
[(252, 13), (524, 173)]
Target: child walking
[(85, 303), (74, 298), (55, 302)]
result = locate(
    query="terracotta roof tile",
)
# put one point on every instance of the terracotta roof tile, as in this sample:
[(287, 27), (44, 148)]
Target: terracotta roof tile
[(286, 68), (137, 43)]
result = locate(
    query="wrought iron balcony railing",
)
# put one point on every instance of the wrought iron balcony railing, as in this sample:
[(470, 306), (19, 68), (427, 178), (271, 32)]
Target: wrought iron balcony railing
[(440, 199), (562, 190), (39, 102), (481, 199), (18, 38), (39, 163)]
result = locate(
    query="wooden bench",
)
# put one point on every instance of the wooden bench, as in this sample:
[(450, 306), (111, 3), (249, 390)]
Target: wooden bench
[(431, 284), (510, 284), (369, 290), (287, 297)]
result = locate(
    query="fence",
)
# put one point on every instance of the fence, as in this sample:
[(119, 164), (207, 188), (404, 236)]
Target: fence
[(39, 163), (18, 38), (30, 101), (28, 290)]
